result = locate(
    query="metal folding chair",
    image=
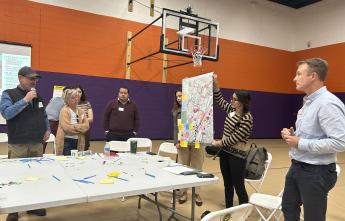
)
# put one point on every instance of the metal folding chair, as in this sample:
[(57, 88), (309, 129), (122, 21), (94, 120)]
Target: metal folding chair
[(257, 184), (268, 205), (142, 142), (3, 138), (168, 148), (236, 213)]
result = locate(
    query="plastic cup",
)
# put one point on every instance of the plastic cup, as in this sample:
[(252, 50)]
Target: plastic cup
[(134, 146), (74, 153), (167, 161)]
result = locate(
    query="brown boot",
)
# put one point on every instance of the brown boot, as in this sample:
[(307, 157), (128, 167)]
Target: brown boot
[(12, 217), (198, 200), (183, 197)]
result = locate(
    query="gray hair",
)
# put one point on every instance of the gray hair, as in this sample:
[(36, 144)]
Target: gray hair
[(317, 65), (68, 94)]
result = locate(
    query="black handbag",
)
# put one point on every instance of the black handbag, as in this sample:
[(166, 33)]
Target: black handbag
[(212, 150)]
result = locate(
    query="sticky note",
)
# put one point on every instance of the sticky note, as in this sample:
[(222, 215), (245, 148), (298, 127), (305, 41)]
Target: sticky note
[(197, 144), (186, 126), (61, 158), (180, 127), (179, 122), (190, 126), (56, 87), (81, 158), (183, 143), (106, 181), (113, 174), (32, 178), (184, 97)]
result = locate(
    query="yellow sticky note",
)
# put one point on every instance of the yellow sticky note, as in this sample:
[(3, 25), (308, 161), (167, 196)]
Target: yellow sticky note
[(32, 178), (183, 143), (197, 144), (190, 126), (56, 87), (61, 158), (180, 127), (184, 97), (81, 158), (113, 174), (106, 181), (179, 122)]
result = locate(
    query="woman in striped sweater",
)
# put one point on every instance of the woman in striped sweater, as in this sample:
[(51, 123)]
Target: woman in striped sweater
[(85, 106), (238, 126)]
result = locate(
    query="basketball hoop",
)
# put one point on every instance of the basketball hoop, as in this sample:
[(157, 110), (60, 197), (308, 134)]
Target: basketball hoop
[(197, 52)]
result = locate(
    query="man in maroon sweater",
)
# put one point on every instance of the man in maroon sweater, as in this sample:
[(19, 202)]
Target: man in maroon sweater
[(121, 117)]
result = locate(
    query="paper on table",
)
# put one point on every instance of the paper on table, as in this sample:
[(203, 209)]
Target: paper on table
[(61, 158), (106, 181), (32, 178), (178, 169)]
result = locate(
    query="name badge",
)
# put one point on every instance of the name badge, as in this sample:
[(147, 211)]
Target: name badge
[(121, 109), (40, 105)]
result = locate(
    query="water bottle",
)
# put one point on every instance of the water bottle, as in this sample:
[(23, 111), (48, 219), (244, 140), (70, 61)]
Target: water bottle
[(106, 149)]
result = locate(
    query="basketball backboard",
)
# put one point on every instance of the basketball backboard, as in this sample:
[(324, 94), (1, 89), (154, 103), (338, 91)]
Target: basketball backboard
[(183, 32)]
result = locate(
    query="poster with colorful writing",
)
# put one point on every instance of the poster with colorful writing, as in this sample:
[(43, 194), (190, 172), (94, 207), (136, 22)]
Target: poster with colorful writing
[(196, 125)]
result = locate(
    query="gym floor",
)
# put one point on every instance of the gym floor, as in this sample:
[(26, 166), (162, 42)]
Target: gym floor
[(212, 195)]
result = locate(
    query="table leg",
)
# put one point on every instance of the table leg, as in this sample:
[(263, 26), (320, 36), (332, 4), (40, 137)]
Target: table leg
[(192, 215)]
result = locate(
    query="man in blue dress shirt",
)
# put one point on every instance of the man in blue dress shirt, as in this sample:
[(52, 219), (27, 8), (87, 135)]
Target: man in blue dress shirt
[(319, 136)]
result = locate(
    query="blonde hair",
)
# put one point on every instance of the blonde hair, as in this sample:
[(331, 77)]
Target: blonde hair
[(68, 94)]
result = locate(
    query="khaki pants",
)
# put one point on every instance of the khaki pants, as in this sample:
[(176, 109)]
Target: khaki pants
[(193, 157), (25, 150)]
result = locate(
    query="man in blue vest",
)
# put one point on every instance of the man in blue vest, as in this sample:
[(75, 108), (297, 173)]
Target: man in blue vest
[(27, 122)]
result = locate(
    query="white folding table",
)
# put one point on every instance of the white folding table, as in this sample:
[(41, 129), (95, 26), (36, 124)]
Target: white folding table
[(140, 174)]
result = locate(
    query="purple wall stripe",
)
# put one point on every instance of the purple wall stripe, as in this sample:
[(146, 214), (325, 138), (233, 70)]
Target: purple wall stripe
[(271, 111)]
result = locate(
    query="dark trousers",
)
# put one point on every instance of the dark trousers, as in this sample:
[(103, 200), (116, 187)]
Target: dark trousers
[(69, 144), (308, 185), (118, 137), (232, 168)]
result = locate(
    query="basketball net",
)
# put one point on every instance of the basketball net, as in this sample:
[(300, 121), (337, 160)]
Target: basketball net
[(197, 53)]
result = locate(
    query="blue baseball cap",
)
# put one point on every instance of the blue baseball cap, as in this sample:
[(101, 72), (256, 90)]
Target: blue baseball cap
[(28, 72)]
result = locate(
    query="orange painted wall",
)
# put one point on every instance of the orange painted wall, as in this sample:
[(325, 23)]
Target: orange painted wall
[(75, 42), (335, 55)]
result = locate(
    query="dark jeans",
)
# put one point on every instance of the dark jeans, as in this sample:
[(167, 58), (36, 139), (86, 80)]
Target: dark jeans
[(118, 137), (308, 185), (232, 168), (69, 144)]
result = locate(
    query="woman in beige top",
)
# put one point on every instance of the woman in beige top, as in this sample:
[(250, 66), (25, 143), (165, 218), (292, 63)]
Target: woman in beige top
[(72, 125)]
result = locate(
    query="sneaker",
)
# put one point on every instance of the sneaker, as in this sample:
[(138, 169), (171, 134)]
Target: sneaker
[(12, 217), (205, 213), (37, 212), (183, 198), (198, 200)]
